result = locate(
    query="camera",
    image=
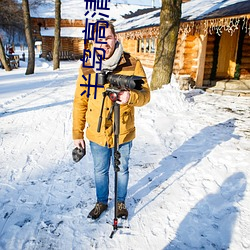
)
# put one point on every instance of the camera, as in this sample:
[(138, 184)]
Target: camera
[(120, 81), (78, 153)]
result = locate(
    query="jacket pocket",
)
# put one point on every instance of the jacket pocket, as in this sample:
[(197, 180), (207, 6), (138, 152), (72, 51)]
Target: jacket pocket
[(127, 120)]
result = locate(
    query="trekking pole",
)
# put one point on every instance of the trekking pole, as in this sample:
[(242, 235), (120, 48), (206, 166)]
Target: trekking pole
[(117, 156)]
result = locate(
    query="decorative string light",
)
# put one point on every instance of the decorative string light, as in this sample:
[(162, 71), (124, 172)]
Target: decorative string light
[(140, 33), (246, 25), (218, 25)]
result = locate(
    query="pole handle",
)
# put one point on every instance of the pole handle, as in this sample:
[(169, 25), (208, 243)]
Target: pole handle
[(99, 124)]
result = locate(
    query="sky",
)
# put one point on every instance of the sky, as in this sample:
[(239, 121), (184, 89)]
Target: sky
[(189, 169)]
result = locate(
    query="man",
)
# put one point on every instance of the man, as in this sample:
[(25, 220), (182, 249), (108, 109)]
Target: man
[(87, 108), (11, 50)]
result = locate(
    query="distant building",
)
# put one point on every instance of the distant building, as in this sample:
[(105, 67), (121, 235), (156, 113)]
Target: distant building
[(72, 42), (72, 26)]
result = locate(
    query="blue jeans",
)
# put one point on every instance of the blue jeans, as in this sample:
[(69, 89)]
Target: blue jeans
[(102, 157)]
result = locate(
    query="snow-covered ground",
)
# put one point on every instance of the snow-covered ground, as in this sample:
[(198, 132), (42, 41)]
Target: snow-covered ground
[(189, 170)]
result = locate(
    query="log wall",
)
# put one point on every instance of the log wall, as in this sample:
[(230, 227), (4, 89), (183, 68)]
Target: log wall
[(50, 22), (187, 58), (186, 53), (73, 45), (209, 57), (179, 59), (132, 46), (245, 61)]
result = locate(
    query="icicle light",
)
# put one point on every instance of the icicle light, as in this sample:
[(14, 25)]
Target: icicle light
[(217, 25), (206, 27), (152, 32)]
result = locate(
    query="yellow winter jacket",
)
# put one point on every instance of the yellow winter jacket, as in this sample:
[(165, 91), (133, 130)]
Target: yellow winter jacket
[(87, 110)]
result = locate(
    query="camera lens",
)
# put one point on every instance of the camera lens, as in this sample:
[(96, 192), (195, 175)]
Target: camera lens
[(113, 96)]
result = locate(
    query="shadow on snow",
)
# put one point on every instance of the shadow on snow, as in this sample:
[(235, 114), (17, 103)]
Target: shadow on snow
[(209, 225), (23, 110), (190, 153)]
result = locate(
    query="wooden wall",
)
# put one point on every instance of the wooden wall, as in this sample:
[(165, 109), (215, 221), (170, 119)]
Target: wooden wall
[(186, 56), (245, 61), (129, 45), (199, 55), (185, 62), (178, 62), (212, 54), (132, 46), (209, 58), (73, 45), (188, 51), (50, 22), (47, 45)]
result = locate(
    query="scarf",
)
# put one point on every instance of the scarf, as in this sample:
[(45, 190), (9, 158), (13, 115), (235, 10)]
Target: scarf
[(111, 63)]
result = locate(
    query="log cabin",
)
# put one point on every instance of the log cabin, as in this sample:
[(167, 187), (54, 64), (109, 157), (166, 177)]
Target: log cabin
[(71, 44), (72, 25), (213, 41)]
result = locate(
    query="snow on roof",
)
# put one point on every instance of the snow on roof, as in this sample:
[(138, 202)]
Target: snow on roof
[(197, 9), (65, 32), (145, 20), (192, 10), (75, 9)]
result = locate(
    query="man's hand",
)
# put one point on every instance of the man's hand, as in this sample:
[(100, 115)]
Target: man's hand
[(79, 143), (123, 97)]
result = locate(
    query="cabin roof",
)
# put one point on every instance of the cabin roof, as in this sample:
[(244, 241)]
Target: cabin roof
[(65, 32), (75, 10), (194, 10), (208, 9)]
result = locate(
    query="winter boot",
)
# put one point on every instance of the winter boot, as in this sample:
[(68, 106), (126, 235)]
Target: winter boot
[(97, 210), (122, 211)]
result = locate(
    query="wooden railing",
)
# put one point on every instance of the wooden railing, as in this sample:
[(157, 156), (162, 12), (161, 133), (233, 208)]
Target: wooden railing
[(63, 55)]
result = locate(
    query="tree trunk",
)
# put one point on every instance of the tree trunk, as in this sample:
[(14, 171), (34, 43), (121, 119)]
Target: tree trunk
[(3, 57), (56, 59), (28, 33), (169, 27)]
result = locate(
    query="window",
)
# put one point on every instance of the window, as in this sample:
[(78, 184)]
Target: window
[(146, 45)]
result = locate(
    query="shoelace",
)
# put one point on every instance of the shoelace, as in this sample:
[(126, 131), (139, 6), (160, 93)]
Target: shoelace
[(97, 209), (121, 206)]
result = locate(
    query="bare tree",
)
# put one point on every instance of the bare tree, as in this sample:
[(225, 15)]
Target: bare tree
[(28, 33), (11, 24), (3, 57), (169, 27), (11, 16), (56, 59)]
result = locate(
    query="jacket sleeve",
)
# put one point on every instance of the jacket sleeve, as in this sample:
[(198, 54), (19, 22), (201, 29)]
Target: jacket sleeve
[(80, 106), (141, 97)]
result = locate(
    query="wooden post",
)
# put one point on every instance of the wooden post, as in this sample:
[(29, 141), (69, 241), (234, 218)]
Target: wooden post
[(140, 42), (201, 60), (145, 45)]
